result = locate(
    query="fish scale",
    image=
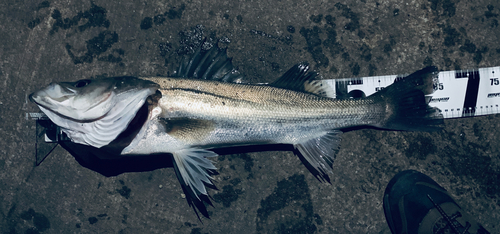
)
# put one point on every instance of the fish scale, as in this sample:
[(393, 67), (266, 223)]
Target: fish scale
[(259, 101)]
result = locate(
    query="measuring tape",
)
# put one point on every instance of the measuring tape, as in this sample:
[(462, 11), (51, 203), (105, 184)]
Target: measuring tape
[(458, 94)]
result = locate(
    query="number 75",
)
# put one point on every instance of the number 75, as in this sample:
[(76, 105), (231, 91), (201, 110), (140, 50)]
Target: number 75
[(494, 81)]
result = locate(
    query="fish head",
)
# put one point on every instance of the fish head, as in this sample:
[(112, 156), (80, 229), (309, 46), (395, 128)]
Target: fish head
[(88, 100)]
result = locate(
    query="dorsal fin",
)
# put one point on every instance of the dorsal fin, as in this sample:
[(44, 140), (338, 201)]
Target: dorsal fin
[(298, 78), (212, 64)]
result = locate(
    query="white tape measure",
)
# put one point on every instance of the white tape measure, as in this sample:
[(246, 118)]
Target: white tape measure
[(464, 93)]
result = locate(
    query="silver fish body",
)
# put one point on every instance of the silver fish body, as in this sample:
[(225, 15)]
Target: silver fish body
[(188, 117), (211, 114)]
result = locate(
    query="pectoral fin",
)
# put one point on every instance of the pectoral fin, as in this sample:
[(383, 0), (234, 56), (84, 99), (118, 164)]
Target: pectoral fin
[(318, 154), (188, 129)]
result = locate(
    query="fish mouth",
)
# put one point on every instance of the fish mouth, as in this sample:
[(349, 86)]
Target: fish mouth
[(31, 98), (36, 98), (48, 103), (40, 98), (44, 108), (53, 92)]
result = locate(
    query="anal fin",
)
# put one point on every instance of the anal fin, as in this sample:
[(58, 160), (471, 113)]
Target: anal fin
[(319, 153)]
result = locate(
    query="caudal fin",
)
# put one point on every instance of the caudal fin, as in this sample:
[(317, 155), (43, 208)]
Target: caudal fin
[(407, 105)]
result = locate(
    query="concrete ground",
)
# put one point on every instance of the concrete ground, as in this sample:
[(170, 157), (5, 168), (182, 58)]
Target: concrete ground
[(263, 192)]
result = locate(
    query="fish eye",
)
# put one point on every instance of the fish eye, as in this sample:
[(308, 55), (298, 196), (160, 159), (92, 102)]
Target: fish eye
[(82, 83)]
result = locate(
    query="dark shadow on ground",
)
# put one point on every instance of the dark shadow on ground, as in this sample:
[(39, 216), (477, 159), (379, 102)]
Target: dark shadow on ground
[(112, 165)]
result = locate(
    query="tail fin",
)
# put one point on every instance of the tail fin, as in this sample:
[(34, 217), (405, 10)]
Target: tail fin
[(406, 103)]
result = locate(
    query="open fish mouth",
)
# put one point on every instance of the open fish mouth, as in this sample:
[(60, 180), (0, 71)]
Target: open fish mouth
[(52, 96)]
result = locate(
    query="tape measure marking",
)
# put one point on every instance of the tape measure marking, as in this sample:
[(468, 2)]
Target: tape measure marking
[(471, 92), (36, 116), (457, 93)]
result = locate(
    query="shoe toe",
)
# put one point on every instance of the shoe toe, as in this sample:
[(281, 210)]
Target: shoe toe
[(406, 200)]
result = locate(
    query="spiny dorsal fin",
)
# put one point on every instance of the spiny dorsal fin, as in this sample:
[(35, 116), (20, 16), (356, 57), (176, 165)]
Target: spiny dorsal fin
[(212, 64), (318, 154), (298, 78)]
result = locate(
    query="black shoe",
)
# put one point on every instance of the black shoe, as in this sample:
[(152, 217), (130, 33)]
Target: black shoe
[(414, 203)]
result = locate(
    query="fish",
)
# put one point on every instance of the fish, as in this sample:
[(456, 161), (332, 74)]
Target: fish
[(206, 105)]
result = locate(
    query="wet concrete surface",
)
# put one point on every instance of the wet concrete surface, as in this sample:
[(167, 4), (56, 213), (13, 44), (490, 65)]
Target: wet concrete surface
[(259, 192)]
